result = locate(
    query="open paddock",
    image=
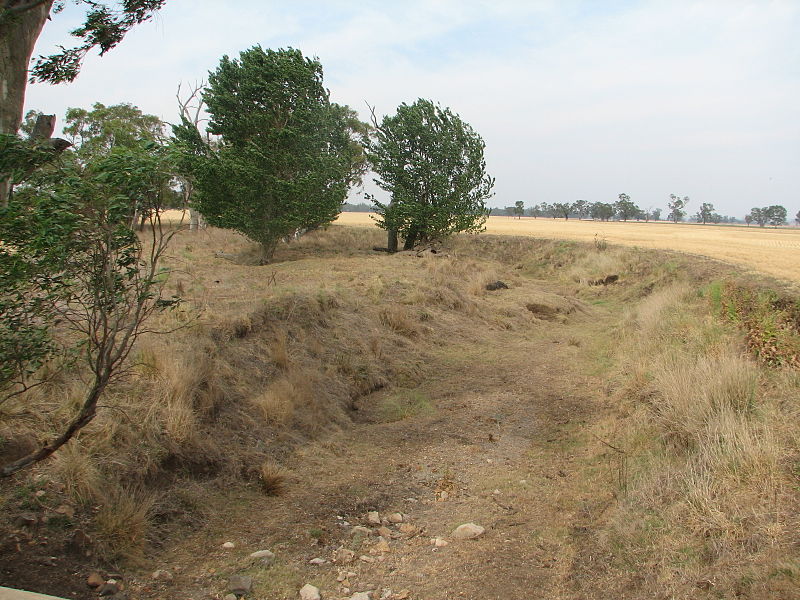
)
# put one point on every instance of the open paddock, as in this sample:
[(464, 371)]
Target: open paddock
[(772, 251)]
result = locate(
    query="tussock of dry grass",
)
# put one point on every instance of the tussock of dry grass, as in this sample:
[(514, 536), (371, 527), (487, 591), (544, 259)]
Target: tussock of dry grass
[(399, 319), (122, 523), (273, 478), (78, 472), (277, 403)]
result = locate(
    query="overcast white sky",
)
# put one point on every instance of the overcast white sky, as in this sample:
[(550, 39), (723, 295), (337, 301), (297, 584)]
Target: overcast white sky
[(575, 100)]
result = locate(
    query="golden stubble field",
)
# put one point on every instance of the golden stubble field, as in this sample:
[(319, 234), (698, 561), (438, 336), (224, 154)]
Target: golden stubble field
[(772, 251)]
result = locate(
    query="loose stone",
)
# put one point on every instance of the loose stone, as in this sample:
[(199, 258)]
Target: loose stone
[(309, 592), (467, 531), (240, 584)]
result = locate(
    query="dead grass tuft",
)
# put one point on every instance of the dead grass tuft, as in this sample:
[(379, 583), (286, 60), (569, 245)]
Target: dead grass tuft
[(122, 522), (398, 319), (74, 468), (273, 478), (279, 351), (277, 403)]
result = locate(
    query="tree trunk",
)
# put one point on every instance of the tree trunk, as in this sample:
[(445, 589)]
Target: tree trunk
[(391, 245), (411, 240), (194, 220), (43, 128), (267, 251), (18, 34)]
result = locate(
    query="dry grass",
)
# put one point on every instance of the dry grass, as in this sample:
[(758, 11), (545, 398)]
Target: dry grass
[(268, 359), (399, 319), (707, 431), (771, 251), (277, 403), (278, 355), (78, 472), (273, 478), (122, 523)]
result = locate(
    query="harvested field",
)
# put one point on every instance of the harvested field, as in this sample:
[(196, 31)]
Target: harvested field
[(767, 250)]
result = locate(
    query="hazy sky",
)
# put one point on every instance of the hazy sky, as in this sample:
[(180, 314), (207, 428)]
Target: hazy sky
[(575, 100)]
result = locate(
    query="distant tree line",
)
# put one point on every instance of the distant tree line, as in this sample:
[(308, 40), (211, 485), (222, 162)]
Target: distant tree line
[(360, 207), (624, 209)]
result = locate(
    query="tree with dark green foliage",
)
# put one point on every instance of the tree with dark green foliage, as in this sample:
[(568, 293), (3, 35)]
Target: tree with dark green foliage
[(625, 209), (776, 214), (285, 155), (581, 208), (759, 216), (519, 208), (95, 132), (705, 214), (562, 209), (602, 210), (431, 163), (797, 218), (676, 207)]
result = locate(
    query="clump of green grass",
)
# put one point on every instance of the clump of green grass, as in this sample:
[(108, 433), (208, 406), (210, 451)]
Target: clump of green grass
[(404, 404)]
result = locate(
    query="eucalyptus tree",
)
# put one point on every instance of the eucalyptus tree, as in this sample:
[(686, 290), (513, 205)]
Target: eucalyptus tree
[(625, 209), (98, 130), (283, 157), (601, 210), (676, 207), (759, 216), (581, 208), (562, 209), (705, 214), (776, 215), (432, 165), (78, 284), (21, 23)]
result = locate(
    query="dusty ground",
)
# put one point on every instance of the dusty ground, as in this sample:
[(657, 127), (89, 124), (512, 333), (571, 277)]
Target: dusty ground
[(501, 445), (765, 250)]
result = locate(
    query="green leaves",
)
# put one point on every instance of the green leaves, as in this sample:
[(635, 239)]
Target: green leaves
[(285, 155), (103, 27), (432, 164), (67, 242)]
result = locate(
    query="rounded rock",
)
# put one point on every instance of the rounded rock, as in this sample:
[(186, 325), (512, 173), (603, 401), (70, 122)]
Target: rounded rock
[(309, 592), (467, 531)]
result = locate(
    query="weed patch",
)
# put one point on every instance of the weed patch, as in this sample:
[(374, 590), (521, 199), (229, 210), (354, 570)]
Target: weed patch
[(404, 404)]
